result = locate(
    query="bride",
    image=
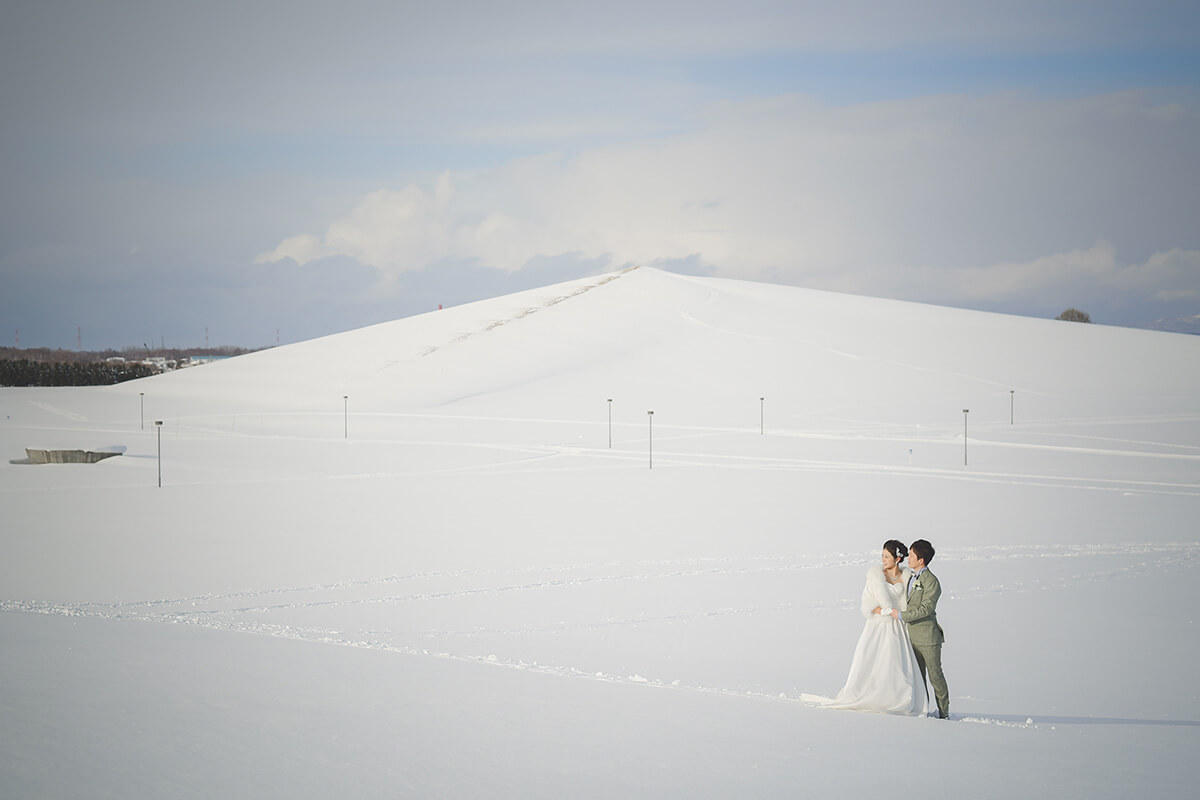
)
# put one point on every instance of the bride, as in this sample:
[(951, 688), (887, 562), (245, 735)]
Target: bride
[(884, 675)]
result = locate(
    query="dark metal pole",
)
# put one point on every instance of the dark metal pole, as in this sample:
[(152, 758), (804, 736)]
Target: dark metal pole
[(610, 423), (650, 414), (965, 411)]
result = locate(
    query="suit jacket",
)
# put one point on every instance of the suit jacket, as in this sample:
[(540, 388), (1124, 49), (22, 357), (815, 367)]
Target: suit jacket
[(921, 613)]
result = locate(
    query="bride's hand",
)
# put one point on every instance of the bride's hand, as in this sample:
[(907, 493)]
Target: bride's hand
[(877, 610)]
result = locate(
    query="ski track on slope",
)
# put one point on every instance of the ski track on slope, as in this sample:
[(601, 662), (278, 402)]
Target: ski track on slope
[(534, 458), (819, 345), (62, 412), (1136, 559), (778, 463), (525, 456), (712, 295), (525, 312)]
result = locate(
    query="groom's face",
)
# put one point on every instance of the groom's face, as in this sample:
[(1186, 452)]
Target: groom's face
[(914, 563)]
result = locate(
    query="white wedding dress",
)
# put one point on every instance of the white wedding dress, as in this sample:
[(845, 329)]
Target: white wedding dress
[(884, 675)]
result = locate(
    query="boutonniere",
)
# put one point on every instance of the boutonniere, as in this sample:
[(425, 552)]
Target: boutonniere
[(916, 585)]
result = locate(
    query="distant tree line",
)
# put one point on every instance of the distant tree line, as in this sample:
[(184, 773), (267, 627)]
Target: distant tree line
[(28, 372), (42, 366), (129, 353)]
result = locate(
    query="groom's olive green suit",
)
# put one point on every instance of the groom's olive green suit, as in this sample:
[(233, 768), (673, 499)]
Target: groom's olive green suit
[(926, 634)]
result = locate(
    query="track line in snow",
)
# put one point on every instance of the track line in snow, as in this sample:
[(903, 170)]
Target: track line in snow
[(325, 636), (62, 412), (1136, 559), (1150, 558)]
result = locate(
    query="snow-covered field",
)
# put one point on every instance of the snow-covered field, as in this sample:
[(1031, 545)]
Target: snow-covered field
[(405, 561)]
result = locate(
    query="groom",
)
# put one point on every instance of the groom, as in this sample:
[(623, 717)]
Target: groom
[(921, 618)]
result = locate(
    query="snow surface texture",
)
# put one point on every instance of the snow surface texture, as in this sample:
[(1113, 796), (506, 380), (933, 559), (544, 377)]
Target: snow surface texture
[(404, 561)]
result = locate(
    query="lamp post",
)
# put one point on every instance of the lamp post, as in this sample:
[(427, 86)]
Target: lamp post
[(158, 427), (610, 423), (965, 412), (346, 416), (761, 402), (142, 400), (650, 415)]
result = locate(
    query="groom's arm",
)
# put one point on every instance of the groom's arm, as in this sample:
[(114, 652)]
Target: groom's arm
[(928, 601)]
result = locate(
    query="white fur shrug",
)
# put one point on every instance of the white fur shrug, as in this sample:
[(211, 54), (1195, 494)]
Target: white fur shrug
[(875, 593)]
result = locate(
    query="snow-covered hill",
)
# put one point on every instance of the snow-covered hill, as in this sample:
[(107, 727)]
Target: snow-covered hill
[(418, 559)]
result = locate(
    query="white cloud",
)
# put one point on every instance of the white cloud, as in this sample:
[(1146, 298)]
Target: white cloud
[(393, 231), (947, 199), (1095, 265), (301, 249), (1094, 276)]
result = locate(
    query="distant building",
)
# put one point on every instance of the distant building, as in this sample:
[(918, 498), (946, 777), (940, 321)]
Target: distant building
[(159, 363)]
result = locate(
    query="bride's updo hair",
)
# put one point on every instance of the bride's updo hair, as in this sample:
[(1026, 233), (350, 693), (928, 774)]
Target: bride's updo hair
[(896, 548)]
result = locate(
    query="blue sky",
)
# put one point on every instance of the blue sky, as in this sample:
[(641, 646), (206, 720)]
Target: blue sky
[(248, 168)]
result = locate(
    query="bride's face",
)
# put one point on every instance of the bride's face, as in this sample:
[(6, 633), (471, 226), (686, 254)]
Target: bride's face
[(888, 560)]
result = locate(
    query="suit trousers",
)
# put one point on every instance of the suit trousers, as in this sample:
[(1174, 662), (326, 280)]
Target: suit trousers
[(929, 659)]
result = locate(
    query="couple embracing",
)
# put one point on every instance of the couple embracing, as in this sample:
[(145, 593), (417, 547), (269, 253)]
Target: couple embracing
[(901, 642)]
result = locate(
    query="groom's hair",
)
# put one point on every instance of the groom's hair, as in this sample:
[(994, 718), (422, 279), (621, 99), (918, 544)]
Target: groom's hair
[(923, 550)]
